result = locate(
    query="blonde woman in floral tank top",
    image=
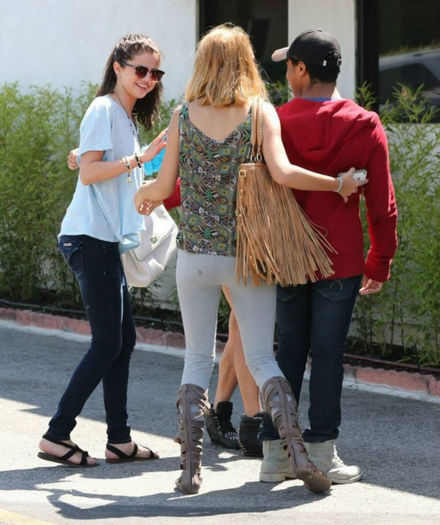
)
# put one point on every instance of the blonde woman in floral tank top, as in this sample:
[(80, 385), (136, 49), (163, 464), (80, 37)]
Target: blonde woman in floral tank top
[(207, 140)]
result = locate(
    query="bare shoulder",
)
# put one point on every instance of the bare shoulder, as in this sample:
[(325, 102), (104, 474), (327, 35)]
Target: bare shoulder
[(175, 117), (270, 116), (268, 108)]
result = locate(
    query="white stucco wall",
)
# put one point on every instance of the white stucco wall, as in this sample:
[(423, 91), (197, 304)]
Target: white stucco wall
[(63, 42), (337, 17)]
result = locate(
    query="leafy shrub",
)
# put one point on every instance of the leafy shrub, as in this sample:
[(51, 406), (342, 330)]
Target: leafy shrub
[(407, 311), (37, 129)]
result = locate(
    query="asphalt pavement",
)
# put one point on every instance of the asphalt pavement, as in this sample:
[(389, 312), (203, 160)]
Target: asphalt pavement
[(395, 440)]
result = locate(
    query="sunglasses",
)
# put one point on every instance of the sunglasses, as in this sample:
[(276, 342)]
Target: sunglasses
[(142, 71)]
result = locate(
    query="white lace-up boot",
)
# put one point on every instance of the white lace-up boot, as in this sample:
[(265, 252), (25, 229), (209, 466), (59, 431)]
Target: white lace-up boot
[(279, 401), (325, 456), (275, 466)]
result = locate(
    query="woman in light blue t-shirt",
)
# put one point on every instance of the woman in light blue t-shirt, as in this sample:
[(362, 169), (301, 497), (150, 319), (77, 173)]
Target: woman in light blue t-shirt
[(100, 223)]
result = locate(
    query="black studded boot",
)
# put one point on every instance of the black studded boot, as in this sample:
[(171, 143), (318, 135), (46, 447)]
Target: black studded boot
[(250, 444), (219, 426)]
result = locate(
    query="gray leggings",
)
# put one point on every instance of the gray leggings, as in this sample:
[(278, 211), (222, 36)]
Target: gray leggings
[(199, 280)]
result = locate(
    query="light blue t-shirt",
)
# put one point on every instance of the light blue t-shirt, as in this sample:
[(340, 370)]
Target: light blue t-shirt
[(105, 210)]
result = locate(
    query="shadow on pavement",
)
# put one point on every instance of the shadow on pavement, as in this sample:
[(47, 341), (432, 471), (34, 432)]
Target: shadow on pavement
[(93, 505), (395, 440)]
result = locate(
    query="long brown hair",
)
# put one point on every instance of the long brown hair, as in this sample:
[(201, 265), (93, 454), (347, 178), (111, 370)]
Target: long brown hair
[(225, 72), (145, 109)]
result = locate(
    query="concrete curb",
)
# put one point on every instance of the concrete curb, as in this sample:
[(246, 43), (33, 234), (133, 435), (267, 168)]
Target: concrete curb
[(404, 384)]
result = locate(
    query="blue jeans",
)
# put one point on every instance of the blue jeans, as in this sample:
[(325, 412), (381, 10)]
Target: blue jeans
[(98, 269), (313, 319)]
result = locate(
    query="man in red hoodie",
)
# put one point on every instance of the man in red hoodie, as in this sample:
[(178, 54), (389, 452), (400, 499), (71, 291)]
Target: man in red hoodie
[(323, 132)]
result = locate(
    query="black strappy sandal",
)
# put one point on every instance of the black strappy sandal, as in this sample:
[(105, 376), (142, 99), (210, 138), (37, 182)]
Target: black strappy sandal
[(64, 460), (125, 458)]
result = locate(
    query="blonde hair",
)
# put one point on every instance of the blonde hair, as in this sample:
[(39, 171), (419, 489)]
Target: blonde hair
[(225, 72)]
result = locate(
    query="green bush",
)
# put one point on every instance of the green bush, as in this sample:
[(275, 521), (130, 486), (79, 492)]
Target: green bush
[(39, 127), (406, 313), (37, 130)]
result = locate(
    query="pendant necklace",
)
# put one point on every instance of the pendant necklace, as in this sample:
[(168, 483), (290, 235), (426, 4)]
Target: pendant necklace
[(134, 130)]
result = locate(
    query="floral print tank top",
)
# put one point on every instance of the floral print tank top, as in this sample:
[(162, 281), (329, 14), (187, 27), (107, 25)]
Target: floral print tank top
[(208, 174)]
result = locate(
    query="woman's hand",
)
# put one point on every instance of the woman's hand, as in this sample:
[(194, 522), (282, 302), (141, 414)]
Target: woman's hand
[(349, 185), (146, 207), (141, 199), (155, 147), (72, 159)]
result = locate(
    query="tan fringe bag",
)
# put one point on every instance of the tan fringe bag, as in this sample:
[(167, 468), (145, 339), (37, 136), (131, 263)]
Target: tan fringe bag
[(276, 242)]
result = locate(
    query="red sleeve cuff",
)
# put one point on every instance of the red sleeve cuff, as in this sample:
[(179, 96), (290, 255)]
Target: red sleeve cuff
[(174, 200), (379, 272)]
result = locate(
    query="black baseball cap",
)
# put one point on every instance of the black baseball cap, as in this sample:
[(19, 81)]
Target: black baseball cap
[(313, 46)]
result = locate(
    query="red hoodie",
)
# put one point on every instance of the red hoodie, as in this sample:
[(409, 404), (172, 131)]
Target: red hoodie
[(330, 137)]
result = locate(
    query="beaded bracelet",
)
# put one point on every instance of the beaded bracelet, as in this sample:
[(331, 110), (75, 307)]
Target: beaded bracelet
[(138, 160), (127, 164)]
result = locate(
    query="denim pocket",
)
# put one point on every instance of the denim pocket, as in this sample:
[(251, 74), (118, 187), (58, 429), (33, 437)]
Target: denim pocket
[(71, 250), (288, 293), (338, 289)]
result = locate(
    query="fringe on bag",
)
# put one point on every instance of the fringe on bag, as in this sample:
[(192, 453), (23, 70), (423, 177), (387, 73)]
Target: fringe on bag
[(276, 242)]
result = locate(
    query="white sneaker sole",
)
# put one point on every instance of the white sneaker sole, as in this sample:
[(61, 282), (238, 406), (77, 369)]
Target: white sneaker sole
[(342, 481)]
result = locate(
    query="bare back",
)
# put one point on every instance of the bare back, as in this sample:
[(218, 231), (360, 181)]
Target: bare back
[(216, 123)]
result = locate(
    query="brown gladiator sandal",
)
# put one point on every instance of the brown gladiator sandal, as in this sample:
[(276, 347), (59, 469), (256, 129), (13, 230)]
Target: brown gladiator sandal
[(279, 401), (192, 407)]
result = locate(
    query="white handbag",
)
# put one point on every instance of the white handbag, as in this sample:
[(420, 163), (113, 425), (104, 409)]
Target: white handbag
[(157, 245)]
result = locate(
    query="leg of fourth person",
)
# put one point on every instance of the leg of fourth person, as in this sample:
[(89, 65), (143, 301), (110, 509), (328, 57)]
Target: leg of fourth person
[(218, 421), (227, 377), (248, 387), (233, 366), (254, 307), (251, 419)]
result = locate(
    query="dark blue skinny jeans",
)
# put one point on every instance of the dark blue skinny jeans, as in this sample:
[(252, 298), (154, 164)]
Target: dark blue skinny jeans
[(313, 319), (98, 269)]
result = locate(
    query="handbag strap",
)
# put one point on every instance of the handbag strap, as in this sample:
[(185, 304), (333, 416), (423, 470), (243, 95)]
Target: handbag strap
[(257, 132)]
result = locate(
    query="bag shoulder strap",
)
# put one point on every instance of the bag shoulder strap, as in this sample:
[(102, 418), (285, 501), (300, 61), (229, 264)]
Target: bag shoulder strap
[(257, 131)]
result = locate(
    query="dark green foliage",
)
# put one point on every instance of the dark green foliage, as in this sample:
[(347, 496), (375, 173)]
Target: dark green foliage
[(407, 311), (279, 92), (37, 130)]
